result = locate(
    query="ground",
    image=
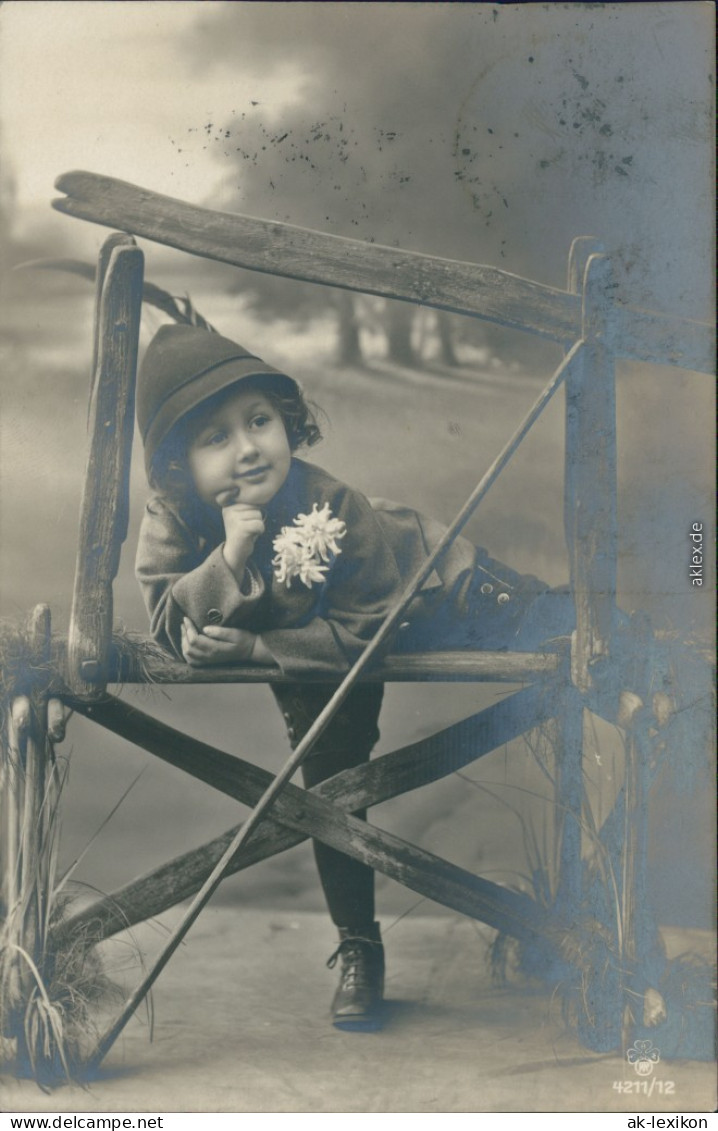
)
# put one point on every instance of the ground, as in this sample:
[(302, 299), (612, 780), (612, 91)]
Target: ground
[(241, 1025)]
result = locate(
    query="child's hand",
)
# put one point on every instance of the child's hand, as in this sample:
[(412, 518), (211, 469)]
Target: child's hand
[(215, 644), (242, 526)]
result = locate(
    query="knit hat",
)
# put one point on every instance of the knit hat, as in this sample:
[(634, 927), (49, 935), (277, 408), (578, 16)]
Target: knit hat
[(182, 367)]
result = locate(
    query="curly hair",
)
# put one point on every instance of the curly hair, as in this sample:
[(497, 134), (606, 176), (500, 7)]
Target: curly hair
[(169, 472)]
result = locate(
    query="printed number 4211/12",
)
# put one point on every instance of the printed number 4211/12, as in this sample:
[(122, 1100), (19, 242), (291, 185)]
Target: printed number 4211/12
[(645, 1087)]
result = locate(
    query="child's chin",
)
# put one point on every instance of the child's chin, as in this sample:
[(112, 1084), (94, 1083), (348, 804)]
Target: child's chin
[(257, 496)]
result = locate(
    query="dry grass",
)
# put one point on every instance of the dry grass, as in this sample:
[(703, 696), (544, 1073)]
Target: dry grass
[(49, 992), (590, 964)]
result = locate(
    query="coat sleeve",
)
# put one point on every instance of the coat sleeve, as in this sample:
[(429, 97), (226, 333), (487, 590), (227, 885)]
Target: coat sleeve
[(363, 583), (177, 580)]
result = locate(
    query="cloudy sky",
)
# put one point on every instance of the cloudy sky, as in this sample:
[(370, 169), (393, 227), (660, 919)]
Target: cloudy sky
[(106, 86), (495, 132)]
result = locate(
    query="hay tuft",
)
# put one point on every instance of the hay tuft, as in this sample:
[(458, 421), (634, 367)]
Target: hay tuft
[(138, 658), (21, 672), (52, 983), (49, 1030)]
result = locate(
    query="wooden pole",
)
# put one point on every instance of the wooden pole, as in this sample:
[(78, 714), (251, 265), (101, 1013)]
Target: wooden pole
[(379, 780), (105, 502), (425, 873), (317, 728), (395, 615)]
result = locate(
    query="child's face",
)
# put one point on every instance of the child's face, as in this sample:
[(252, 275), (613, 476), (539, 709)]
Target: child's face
[(239, 452)]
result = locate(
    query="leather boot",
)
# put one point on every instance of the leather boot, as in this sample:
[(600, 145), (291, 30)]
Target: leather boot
[(358, 1000)]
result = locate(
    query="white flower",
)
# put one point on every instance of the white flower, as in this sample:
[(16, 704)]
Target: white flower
[(305, 549), (310, 572), (320, 531)]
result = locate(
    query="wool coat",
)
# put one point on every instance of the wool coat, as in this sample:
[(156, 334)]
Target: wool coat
[(469, 600)]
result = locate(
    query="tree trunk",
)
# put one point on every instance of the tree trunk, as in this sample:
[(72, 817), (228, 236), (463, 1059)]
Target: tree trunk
[(349, 345), (446, 338), (399, 320)]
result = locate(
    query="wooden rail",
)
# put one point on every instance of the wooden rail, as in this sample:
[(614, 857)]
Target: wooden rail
[(480, 667), (315, 257)]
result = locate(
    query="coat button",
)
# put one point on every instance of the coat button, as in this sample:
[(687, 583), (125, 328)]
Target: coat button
[(291, 734), (214, 616), (404, 625), (486, 588), (503, 598)]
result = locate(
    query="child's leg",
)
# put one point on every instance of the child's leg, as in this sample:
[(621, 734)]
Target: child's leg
[(494, 610), (346, 742), (348, 885)]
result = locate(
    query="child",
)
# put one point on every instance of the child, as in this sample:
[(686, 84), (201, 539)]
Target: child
[(248, 554)]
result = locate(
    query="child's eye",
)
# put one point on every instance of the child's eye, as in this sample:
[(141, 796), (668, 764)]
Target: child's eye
[(260, 421), (216, 438)]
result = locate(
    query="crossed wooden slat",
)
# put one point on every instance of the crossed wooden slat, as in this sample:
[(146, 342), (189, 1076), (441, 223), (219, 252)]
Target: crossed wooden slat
[(324, 813)]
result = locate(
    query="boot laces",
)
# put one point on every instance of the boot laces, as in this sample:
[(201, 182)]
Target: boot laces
[(355, 959)]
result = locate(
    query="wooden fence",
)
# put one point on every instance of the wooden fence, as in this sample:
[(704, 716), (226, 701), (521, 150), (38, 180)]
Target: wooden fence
[(592, 672)]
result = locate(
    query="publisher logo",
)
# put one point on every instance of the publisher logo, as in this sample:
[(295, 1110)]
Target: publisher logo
[(643, 1056)]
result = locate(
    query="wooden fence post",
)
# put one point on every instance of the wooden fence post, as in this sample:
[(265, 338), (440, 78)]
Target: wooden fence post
[(591, 535), (33, 857), (105, 503), (26, 863), (640, 938), (13, 805), (581, 249), (633, 854), (569, 801), (591, 409), (569, 722), (117, 239)]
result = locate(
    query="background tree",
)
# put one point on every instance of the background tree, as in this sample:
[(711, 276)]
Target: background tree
[(423, 127)]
